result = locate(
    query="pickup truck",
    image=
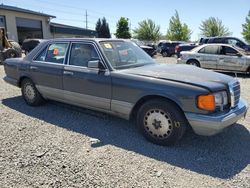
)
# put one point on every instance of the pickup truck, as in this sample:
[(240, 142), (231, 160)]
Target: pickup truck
[(116, 76)]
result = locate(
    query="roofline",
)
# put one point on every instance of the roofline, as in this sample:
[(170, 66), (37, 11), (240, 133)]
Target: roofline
[(17, 9)]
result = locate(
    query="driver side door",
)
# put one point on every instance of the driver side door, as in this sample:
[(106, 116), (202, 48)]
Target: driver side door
[(83, 86)]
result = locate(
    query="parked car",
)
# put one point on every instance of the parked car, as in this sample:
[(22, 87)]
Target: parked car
[(184, 47), (217, 56), (203, 40), (30, 44), (117, 77), (150, 50), (168, 48), (230, 40)]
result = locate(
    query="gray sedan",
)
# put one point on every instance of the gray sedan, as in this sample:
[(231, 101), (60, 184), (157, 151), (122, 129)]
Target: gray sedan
[(217, 56), (119, 78)]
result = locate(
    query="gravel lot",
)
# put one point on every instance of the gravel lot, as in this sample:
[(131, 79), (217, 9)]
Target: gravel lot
[(57, 145)]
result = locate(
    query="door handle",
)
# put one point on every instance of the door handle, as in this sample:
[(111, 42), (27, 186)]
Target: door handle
[(68, 73), (33, 68)]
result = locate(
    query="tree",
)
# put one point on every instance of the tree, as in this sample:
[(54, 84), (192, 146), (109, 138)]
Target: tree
[(147, 30), (177, 30), (213, 27), (122, 30), (102, 28), (246, 28)]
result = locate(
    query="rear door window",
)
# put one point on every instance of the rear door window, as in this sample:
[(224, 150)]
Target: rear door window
[(210, 50), (56, 53)]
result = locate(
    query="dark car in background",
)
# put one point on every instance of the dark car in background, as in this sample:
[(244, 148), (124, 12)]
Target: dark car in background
[(168, 48), (230, 40), (184, 47), (30, 44), (149, 49)]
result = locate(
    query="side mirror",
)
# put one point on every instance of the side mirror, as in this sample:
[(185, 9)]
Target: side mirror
[(96, 64)]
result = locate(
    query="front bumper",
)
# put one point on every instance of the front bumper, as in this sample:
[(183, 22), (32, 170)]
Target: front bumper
[(208, 125), (11, 81), (181, 61)]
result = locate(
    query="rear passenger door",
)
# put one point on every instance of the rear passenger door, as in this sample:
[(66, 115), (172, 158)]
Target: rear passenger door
[(46, 70), (85, 86), (209, 56)]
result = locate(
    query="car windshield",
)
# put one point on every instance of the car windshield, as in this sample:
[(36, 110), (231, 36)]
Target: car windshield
[(124, 54)]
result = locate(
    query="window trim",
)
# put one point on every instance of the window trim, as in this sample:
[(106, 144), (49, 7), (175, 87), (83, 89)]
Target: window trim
[(47, 46), (84, 42)]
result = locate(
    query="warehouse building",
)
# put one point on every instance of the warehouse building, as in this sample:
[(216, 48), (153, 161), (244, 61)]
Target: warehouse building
[(22, 23)]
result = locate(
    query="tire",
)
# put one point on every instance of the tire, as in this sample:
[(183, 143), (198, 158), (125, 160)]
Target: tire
[(194, 63), (164, 54), (150, 117), (30, 94), (16, 47), (10, 53)]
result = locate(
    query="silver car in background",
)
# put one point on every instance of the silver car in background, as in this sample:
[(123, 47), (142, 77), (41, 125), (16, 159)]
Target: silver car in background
[(217, 56)]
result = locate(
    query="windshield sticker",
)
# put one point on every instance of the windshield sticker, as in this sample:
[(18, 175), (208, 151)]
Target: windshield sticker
[(108, 45)]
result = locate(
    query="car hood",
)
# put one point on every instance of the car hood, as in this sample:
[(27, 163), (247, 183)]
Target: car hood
[(183, 73), (146, 47)]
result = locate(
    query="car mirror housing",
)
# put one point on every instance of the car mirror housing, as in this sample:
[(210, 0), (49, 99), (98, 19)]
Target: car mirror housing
[(96, 64)]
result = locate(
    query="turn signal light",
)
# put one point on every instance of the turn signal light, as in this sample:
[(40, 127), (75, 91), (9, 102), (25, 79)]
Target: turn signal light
[(206, 102)]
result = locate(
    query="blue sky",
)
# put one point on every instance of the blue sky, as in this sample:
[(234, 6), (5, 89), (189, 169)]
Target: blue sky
[(192, 12)]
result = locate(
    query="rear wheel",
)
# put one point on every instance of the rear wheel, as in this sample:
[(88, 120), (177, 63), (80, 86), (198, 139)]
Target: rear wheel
[(161, 122), (30, 94), (194, 63), (16, 47), (10, 53)]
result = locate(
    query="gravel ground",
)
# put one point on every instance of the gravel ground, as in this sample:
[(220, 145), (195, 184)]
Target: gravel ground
[(57, 145)]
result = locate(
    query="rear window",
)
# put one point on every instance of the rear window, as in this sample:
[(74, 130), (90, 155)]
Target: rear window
[(210, 50), (56, 53)]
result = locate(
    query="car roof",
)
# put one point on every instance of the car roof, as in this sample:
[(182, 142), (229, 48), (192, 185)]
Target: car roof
[(85, 39)]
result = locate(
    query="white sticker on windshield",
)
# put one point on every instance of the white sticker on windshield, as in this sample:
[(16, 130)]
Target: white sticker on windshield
[(107, 45)]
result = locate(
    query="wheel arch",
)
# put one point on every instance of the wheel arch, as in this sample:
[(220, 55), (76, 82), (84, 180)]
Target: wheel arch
[(22, 78), (193, 59), (146, 98)]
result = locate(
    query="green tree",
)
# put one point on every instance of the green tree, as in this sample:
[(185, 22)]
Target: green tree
[(213, 27), (122, 30), (246, 28), (147, 30), (102, 28), (177, 30)]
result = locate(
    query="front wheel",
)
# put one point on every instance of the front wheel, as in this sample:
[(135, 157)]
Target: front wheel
[(30, 94), (161, 122), (194, 63)]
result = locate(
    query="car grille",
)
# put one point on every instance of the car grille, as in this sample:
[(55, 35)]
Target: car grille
[(234, 87)]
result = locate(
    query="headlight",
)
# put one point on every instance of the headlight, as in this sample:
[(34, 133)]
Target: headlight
[(212, 101), (221, 99)]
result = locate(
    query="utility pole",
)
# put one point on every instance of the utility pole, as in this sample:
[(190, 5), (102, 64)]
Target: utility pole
[(86, 16)]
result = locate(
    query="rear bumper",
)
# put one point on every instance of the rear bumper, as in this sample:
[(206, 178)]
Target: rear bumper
[(11, 81), (209, 125)]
